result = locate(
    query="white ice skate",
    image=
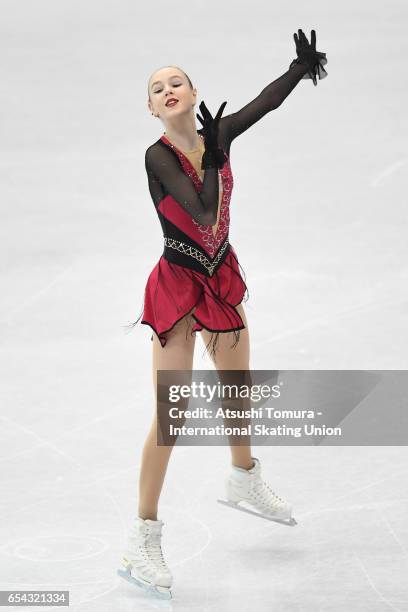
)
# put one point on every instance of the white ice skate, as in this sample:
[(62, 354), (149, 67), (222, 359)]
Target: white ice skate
[(247, 487), (143, 562)]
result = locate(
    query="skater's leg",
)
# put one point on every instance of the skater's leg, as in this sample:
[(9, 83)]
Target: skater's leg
[(227, 358), (245, 483), (237, 358), (177, 354), (143, 561)]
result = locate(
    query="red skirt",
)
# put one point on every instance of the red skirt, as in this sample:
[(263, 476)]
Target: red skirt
[(172, 291)]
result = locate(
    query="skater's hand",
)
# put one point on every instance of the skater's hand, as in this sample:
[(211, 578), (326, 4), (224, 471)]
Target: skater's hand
[(213, 155), (210, 125), (307, 54)]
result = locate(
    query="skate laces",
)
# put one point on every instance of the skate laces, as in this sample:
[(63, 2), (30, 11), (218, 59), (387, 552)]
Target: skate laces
[(148, 544), (154, 550), (150, 549), (264, 492)]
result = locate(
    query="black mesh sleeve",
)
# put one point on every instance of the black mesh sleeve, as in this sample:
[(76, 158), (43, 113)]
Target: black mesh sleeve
[(163, 165), (270, 98)]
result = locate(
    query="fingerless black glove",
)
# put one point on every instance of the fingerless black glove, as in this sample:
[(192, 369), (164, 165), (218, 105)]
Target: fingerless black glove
[(307, 55)]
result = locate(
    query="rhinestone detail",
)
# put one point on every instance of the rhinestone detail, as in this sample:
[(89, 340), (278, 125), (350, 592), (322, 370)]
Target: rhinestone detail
[(186, 249)]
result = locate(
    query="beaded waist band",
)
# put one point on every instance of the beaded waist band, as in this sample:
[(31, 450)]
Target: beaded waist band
[(186, 255)]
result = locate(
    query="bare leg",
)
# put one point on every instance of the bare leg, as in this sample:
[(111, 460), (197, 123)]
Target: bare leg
[(176, 355), (237, 358)]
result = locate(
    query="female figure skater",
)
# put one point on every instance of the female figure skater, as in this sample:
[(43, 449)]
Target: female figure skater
[(197, 284)]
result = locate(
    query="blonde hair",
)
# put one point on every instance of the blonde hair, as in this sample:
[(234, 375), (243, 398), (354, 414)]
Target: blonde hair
[(186, 75)]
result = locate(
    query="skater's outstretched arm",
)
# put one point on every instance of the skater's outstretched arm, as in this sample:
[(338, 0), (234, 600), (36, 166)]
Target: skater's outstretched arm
[(270, 98), (308, 64)]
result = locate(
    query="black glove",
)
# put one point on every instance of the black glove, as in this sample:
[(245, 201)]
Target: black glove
[(213, 157), (307, 54)]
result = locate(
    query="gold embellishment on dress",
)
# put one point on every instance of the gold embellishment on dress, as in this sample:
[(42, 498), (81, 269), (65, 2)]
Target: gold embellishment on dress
[(192, 252), (211, 241)]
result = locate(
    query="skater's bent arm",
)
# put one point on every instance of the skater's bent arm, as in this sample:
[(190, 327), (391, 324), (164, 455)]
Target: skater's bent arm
[(271, 97), (166, 168)]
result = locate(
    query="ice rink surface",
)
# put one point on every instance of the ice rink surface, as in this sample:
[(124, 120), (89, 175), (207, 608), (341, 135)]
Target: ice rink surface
[(319, 223)]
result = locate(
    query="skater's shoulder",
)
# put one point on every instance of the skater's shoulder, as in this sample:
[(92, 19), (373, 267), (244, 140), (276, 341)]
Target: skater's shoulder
[(159, 157), (155, 150), (157, 145)]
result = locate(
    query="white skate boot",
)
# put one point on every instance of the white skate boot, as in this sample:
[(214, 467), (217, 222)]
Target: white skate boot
[(143, 562), (248, 487)]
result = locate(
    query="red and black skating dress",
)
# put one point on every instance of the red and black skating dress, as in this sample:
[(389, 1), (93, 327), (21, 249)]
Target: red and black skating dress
[(199, 268)]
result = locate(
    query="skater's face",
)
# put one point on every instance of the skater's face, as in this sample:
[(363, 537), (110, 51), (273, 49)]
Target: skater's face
[(169, 83)]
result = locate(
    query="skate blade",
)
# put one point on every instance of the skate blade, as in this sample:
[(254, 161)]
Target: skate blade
[(291, 522), (155, 591)]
